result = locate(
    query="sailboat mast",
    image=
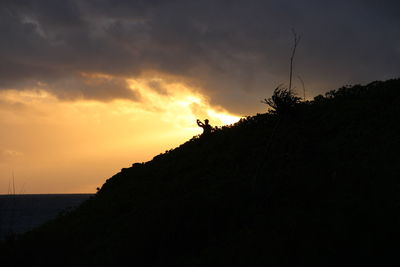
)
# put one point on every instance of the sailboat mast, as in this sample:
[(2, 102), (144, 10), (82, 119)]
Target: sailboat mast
[(13, 183)]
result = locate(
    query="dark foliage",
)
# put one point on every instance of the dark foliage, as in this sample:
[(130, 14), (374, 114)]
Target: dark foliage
[(319, 187), (282, 101)]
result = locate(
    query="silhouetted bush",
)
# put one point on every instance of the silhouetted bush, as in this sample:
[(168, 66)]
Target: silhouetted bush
[(282, 100)]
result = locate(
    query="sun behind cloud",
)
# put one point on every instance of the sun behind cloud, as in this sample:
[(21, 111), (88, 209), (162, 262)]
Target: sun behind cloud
[(178, 101), (73, 146)]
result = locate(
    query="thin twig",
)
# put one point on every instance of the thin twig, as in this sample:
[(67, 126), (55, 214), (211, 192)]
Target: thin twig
[(304, 88), (296, 42)]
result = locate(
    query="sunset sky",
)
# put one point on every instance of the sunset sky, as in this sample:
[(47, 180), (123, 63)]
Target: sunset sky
[(88, 87)]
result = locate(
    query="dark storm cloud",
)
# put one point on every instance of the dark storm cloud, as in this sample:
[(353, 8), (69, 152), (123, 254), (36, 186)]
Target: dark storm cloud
[(236, 52), (158, 87)]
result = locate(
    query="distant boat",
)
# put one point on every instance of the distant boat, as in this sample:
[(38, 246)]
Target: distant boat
[(11, 191), (11, 186), (10, 205)]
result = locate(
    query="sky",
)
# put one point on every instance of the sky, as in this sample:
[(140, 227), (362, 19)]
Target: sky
[(88, 87)]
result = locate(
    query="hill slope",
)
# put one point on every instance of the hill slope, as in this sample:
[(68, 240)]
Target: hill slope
[(318, 185)]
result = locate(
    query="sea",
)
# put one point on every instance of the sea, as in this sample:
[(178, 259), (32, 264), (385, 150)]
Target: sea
[(21, 213)]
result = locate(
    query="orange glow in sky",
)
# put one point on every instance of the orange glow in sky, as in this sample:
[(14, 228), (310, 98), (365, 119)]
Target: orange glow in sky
[(55, 146)]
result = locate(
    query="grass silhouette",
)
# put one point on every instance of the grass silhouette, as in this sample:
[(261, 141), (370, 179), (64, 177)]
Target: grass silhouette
[(318, 185)]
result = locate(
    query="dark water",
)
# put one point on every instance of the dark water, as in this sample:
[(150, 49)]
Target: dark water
[(20, 213)]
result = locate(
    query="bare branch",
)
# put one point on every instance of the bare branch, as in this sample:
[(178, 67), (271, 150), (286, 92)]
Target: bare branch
[(304, 88), (296, 42)]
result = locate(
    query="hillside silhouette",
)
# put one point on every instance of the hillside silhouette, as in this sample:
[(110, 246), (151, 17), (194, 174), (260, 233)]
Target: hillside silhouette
[(317, 185)]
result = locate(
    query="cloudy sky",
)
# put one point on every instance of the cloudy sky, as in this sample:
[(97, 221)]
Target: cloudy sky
[(90, 86)]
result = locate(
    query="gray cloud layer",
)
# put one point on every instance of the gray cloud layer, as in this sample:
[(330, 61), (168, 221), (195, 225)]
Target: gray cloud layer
[(235, 51)]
